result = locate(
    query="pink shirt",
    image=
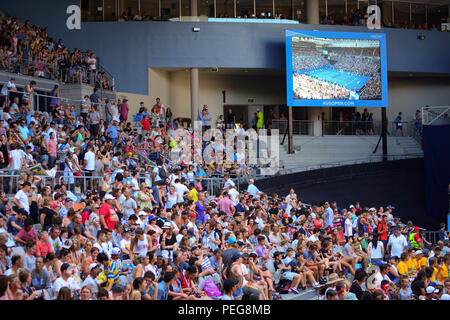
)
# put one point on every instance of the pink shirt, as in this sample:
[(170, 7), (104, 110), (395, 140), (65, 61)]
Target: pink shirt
[(52, 148), (42, 249), (225, 205)]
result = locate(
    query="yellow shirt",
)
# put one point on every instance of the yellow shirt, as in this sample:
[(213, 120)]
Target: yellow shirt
[(435, 273), (193, 195), (402, 268), (422, 263), (412, 264), (443, 273)]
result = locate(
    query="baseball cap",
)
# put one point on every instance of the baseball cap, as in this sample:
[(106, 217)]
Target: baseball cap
[(431, 290), (416, 229), (236, 255), (350, 296), (419, 252), (192, 215), (109, 197), (231, 240), (425, 251), (142, 213), (115, 251), (65, 266), (93, 265)]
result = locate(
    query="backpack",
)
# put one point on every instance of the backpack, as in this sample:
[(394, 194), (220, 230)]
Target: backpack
[(211, 289), (162, 173)]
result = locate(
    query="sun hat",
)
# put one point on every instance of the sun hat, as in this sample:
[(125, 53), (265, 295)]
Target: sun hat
[(167, 225)]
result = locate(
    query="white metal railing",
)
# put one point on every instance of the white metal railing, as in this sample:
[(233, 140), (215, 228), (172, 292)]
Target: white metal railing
[(434, 113)]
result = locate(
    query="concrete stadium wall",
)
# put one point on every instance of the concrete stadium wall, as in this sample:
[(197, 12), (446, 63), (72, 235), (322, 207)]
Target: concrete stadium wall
[(128, 49)]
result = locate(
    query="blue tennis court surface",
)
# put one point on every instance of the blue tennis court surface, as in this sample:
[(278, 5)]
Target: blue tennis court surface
[(345, 79)]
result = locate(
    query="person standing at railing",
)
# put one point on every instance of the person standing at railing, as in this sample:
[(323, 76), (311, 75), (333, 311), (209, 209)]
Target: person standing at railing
[(7, 88), (123, 109), (84, 112), (28, 95), (52, 150), (55, 98), (94, 121)]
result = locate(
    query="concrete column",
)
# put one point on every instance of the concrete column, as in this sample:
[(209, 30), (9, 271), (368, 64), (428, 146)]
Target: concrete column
[(315, 115), (312, 11), (194, 8), (194, 94)]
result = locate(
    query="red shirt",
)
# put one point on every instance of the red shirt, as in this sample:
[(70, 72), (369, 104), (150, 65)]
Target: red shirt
[(381, 227), (85, 216), (110, 215), (145, 124)]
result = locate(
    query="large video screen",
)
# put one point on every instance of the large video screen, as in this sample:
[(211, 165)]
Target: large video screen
[(342, 69)]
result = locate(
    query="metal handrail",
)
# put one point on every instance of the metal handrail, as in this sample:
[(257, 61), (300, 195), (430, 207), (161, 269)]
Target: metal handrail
[(53, 71)]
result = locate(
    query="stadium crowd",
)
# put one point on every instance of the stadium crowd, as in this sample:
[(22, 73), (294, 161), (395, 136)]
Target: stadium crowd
[(306, 87), (27, 49), (142, 232)]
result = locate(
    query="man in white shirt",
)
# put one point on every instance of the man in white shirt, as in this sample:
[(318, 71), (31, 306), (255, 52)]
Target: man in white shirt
[(21, 199), (228, 182), (397, 243), (91, 281), (180, 188), (18, 157), (66, 280), (234, 195), (89, 163)]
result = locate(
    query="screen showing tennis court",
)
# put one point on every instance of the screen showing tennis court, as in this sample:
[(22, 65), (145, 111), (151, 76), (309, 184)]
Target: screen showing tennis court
[(336, 69)]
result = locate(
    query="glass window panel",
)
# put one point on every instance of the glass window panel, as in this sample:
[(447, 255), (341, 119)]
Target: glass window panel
[(264, 9), (245, 8), (401, 14), (336, 11), (110, 10), (322, 10), (352, 7), (299, 11), (129, 8), (436, 15), (418, 14), (92, 10), (225, 8), (186, 8), (206, 8), (150, 9), (386, 13), (283, 8), (170, 9)]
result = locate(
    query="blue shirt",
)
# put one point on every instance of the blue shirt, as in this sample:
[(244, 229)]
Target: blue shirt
[(253, 190), (113, 133), (163, 291), (201, 211), (11, 229)]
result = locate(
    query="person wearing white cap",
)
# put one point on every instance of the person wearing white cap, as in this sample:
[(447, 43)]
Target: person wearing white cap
[(107, 213), (431, 293), (168, 241), (91, 279)]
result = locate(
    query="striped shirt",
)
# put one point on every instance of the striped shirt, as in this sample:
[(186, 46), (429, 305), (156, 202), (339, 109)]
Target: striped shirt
[(112, 273)]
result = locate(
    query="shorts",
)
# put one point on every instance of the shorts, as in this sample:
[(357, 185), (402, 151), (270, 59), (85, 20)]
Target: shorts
[(288, 275), (238, 293), (167, 254)]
